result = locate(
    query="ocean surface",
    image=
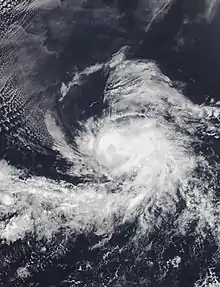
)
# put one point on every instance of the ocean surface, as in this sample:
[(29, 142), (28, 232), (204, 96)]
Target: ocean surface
[(109, 143)]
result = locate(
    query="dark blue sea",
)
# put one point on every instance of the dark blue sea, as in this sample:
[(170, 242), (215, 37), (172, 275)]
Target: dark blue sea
[(109, 143)]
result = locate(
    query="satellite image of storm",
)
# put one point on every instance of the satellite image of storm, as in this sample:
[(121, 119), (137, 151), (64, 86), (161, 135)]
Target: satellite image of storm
[(109, 143)]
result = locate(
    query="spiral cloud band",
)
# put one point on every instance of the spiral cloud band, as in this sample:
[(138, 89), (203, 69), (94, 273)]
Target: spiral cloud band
[(142, 155)]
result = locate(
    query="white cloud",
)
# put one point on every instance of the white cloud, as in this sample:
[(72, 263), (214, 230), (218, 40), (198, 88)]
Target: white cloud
[(142, 145)]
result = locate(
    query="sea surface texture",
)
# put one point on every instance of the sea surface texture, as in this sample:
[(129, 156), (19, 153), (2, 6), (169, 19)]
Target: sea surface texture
[(109, 143)]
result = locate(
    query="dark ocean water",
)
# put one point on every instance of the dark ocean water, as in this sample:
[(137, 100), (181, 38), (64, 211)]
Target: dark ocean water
[(51, 44)]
